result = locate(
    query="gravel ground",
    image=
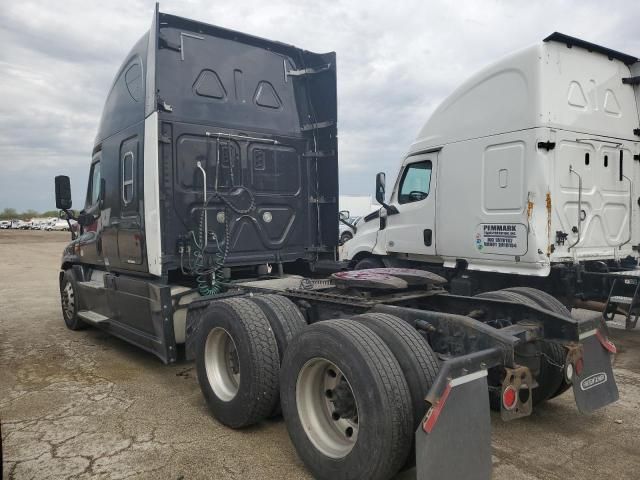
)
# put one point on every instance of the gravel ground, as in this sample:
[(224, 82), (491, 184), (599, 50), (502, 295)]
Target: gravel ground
[(87, 405)]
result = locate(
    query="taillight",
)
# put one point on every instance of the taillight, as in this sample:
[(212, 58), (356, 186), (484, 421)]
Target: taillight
[(509, 398)]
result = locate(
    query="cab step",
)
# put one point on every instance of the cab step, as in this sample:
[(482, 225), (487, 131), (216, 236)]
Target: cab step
[(619, 300), (96, 284), (626, 273), (92, 317)]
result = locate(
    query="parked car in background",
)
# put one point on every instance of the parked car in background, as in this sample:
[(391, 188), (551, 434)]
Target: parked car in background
[(4, 224), (345, 231), (58, 225)]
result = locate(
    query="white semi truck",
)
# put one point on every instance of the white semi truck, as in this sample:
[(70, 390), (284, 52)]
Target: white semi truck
[(210, 216), (527, 174)]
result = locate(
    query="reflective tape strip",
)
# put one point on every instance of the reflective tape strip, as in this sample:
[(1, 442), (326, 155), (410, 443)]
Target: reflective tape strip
[(587, 334), (435, 410), (468, 378), (606, 343)]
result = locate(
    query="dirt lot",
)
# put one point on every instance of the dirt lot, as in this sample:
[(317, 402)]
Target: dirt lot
[(86, 405)]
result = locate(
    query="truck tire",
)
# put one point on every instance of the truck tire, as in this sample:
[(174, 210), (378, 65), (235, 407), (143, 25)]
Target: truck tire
[(542, 299), (236, 342), (69, 301), (418, 362), (555, 357), (346, 402), (369, 262), (285, 318), (508, 296), (551, 376), (286, 321)]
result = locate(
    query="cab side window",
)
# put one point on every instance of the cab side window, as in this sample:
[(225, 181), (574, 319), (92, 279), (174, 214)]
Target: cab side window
[(416, 181), (94, 187), (128, 161), (129, 175)]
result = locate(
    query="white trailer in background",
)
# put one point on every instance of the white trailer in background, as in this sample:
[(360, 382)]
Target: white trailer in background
[(528, 174)]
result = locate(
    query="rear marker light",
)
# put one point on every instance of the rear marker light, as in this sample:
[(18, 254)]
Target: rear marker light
[(579, 366), (435, 411), (436, 408), (509, 398), (606, 343), (568, 373)]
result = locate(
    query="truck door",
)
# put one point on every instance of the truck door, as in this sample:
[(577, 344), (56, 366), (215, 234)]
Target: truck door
[(130, 239), (90, 242), (412, 229)]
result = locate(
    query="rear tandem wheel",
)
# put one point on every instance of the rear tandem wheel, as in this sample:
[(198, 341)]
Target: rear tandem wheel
[(237, 362), (346, 402), (286, 321)]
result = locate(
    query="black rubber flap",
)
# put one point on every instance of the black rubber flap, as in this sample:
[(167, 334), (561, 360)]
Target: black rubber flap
[(459, 444), (595, 387)]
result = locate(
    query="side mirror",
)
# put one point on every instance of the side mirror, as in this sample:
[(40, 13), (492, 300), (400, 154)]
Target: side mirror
[(380, 194), (344, 214), (380, 187), (63, 192)]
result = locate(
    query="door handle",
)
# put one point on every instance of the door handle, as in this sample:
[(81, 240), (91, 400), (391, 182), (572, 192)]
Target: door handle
[(428, 237)]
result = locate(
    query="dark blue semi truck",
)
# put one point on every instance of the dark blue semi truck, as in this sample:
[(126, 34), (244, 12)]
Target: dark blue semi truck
[(210, 227)]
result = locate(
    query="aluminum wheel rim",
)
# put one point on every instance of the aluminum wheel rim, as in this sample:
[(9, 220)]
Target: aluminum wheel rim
[(329, 427), (68, 301), (222, 364)]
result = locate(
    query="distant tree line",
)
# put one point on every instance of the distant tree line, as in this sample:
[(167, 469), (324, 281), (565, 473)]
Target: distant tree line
[(13, 214)]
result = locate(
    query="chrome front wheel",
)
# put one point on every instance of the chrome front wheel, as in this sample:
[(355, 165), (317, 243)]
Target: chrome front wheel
[(70, 301), (68, 298)]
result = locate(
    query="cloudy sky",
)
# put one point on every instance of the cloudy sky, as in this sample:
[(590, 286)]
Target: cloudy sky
[(396, 61)]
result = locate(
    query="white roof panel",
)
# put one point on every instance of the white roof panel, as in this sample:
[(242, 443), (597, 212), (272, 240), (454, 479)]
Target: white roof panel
[(546, 85)]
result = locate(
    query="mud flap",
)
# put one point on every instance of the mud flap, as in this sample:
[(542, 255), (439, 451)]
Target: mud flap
[(453, 442), (595, 386)]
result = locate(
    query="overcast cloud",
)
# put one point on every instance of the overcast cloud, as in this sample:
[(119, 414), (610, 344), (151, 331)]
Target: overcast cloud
[(396, 61)]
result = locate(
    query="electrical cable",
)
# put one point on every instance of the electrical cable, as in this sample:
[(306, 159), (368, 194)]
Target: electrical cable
[(209, 275)]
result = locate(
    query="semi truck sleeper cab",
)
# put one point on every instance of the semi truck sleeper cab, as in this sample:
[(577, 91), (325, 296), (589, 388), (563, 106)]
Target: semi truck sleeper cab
[(211, 222)]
